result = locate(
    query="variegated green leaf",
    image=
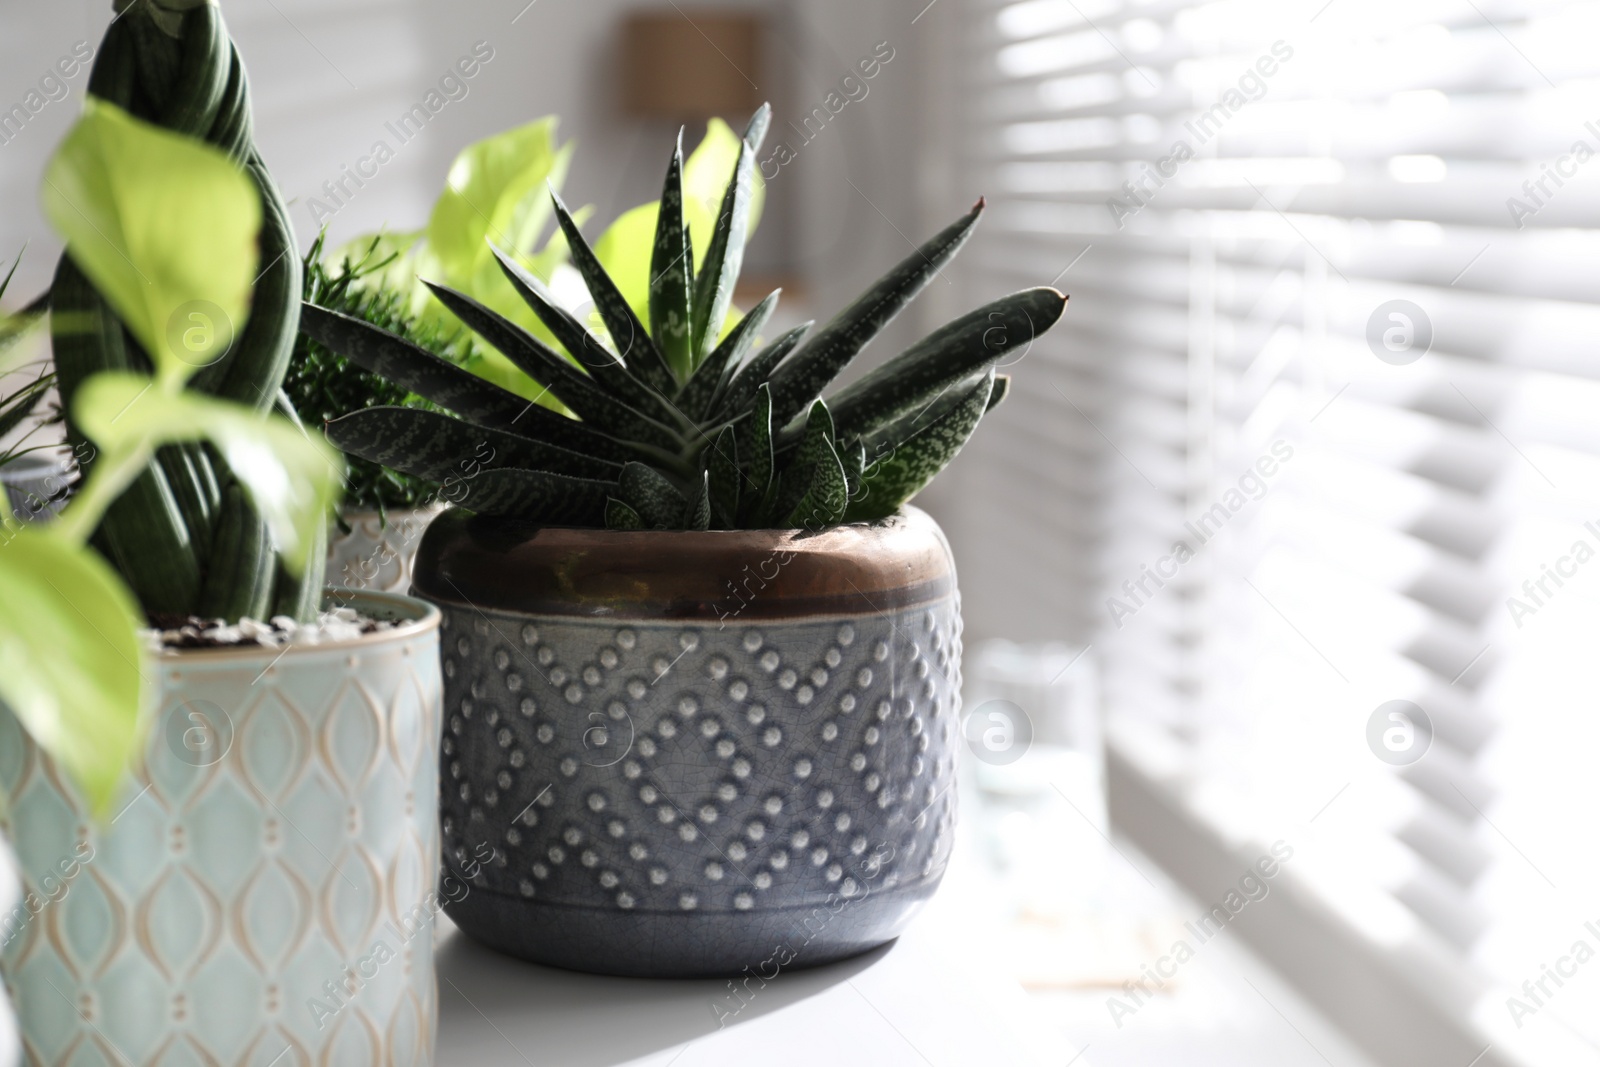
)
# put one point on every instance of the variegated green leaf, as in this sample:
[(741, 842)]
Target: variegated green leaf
[(1003, 329), (700, 395), (648, 492), (719, 274), (1002, 387), (723, 467), (697, 513), (538, 495), (755, 447), (748, 378), (897, 473), (827, 496), (435, 446), (672, 275), (803, 377), (620, 516)]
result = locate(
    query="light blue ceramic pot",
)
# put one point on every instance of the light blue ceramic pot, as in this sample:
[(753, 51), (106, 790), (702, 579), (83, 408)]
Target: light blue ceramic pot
[(265, 891)]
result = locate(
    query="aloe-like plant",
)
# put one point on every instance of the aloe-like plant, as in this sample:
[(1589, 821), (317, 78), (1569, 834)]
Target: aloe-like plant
[(185, 535), (683, 425)]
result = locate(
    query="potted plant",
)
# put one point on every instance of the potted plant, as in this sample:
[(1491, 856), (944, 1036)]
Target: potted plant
[(495, 186), (226, 833), (701, 663)]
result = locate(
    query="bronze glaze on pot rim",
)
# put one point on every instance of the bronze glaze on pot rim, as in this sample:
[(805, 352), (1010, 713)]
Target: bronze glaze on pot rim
[(717, 575)]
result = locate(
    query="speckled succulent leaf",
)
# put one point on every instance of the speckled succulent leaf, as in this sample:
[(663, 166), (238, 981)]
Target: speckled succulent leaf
[(539, 495), (826, 496), (570, 385), (899, 473), (699, 396), (722, 464), (719, 273), (620, 516), (672, 275), (436, 446), (854, 459), (1002, 329), (628, 335), (748, 378), (755, 447), (804, 375), (697, 512), (588, 350), (411, 366), (1002, 388), (797, 467), (648, 492)]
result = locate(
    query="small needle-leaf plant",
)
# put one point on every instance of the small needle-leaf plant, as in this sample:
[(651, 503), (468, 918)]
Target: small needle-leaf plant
[(675, 423)]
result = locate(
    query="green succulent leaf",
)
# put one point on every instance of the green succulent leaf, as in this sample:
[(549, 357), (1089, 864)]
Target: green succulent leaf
[(748, 378), (1002, 388), (1002, 329), (697, 512), (722, 466), (647, 491), (293, 479), (495, 190), (587, 349), (71, 662), (817, 444), (554, 499), (700, 395), (803, 376), (620, 516), (719, 274), (827, 495), (628, 335), (175, 259), (755, 445), (435, 446), (897, 472), (569, 384), (672, 275)]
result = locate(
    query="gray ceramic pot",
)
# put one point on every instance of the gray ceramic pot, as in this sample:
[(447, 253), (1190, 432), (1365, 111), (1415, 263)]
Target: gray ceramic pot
[(264, 891), (695, 753)]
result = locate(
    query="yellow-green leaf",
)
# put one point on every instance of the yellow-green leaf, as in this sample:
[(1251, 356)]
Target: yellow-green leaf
[(71, 663), (164, 226), (294, 478)]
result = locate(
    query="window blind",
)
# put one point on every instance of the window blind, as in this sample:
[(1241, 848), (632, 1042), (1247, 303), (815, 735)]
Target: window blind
[(1317, 435)]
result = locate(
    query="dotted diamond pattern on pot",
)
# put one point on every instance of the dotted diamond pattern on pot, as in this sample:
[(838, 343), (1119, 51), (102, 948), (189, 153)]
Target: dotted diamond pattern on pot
[(232, 911), (658, 766)]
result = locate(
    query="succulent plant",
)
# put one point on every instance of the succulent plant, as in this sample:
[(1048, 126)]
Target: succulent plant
[(680, 426), (186, 535)]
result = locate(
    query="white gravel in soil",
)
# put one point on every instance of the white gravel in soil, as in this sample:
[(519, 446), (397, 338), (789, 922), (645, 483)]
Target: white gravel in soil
[(333, 625)]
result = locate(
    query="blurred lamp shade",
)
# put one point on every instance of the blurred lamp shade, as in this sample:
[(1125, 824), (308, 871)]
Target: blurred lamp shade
[(694, 64)]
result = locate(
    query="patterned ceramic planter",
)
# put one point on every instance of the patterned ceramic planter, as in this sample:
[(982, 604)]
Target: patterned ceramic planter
[(264, 892), (695, 753), (378, 551)]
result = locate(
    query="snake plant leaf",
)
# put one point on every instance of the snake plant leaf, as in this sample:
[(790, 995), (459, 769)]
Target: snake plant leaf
[(719, 273), (1002, 388), (175, 258), (1002, 329), (748, 378), (826, 498), (435, 446), (620, 516), (72, 666), (628, 335), (512, 492), (898, 473), (411, 366), (700, 395), (495, 190), (648, 492), (566, 382), (803, 376), (722, 465), (293, 479), (697, 512), (590, 352), (672, 274)]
